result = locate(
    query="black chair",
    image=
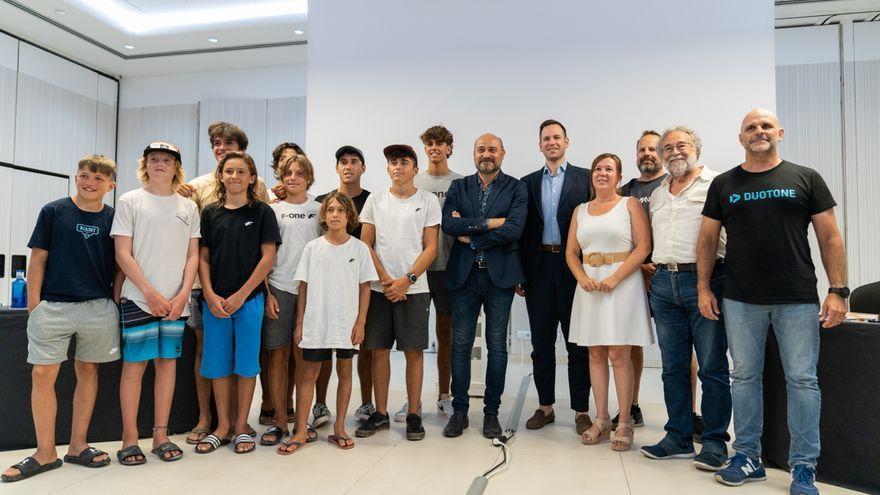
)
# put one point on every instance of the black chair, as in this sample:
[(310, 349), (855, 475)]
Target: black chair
[(865, 299)]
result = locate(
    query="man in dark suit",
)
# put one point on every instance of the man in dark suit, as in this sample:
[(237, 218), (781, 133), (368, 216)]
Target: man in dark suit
[(555, 190), (486, 213)]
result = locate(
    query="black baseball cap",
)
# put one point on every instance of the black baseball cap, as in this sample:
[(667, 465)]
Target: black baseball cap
[(349, 150), (401, 149), (164, 147)]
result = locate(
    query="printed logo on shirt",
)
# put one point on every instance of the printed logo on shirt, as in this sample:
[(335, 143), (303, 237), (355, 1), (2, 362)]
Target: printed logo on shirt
[(87, 230), (351, 260), (440, 194), (180, 216), (248, 223), (762, 195), (298, 216), (419, 208)]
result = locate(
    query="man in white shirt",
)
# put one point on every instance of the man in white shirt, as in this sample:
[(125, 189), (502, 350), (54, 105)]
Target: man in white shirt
[(676, 214), (400, 225)]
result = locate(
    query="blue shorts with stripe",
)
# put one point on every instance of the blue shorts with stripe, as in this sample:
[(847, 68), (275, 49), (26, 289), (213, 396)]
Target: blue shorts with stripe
[(146, 337)]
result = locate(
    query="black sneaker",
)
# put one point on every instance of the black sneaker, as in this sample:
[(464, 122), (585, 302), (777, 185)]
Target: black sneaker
[(377, 422), (491, 426), (414, 430), (456, 425), (635, 414), (698, 428)]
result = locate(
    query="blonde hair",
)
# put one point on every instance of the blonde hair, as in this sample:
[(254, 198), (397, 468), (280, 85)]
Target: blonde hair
[(179, 174), (98, 164), (286, 166)]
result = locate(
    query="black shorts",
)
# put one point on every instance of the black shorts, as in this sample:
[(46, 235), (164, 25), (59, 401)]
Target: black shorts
[(404, 322), (439, 292), (319, 355)]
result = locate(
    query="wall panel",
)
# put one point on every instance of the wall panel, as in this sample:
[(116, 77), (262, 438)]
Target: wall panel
[(250, 115), (8, 68)]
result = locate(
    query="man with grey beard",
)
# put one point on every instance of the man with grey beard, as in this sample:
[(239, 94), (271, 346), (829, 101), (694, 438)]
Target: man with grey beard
[(676, 214), (651, 174)]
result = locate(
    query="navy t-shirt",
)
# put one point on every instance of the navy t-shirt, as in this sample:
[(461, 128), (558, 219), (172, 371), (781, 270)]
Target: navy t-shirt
[(766, 215), (234, 238), (82, 260), (359, 201)]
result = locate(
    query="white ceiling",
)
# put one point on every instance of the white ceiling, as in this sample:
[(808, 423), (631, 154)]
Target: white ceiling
[(167, 36)]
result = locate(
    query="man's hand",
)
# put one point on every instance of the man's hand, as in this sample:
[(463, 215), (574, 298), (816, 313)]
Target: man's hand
[(32, 305), (648, 271), (520, 290), (234, 302), (215, 305), (272, 307), (833, 311), (608, 284), (708, 304), (465, 239), (494, 223), (456, 214), (357, 333), (279, 191), (178, 303), (159, 306), (395, 290), (186, 190)]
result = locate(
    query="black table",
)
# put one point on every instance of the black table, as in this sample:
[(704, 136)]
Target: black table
[(106, 424), (849, 427)]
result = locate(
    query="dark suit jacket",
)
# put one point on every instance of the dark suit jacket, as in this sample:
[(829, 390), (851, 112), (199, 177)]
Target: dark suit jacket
[(575, 190), (501, 246)]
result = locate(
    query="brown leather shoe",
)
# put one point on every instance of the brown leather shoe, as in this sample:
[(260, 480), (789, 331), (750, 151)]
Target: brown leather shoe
[(540, 420), (582, 423)]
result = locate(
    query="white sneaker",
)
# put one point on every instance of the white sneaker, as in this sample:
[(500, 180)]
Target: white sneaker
[(401, 414), (365, 410), (444, 405)]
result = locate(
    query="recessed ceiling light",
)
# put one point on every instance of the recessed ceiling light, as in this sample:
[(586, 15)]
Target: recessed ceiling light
[(128, 47), (298, 31), (60, 11), (213, 40)]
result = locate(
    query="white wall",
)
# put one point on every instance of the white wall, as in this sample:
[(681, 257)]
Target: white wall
[(606, 70)]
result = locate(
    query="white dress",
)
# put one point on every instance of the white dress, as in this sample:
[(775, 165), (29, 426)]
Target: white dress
[(619, 317)]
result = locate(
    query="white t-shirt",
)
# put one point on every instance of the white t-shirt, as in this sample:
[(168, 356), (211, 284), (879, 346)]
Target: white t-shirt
[(161, 228), (438, 186), (400, 225), (333, 274), (298, 225)]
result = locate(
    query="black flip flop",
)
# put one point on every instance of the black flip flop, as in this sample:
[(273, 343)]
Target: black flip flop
[(276, 433), (131, 451), (31, 467), (166, 448), (86, 458)]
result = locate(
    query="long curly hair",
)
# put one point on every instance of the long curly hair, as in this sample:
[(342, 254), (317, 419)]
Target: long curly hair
[(252, 169), (346, 202)]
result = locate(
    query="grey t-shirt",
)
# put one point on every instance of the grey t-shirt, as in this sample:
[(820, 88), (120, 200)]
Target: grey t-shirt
[(642, 190), (438, 187)]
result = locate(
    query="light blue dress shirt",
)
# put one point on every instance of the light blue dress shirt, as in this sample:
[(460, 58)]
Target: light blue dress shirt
[(551, 191)]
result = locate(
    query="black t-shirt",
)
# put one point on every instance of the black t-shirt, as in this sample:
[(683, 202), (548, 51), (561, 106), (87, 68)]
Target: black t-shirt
[(82, 260), (641, 190), (766, 216), (234, 238), (358, 201)]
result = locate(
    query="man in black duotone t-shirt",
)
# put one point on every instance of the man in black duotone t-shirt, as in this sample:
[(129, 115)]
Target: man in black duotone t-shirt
[(766, 206)]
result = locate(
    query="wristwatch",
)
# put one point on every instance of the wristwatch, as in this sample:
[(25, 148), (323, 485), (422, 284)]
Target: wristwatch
[(412, 277), (840, 291)]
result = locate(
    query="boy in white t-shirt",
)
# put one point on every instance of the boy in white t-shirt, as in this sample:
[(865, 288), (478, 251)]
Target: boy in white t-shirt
[(334, 272), (400, 225), (156, 233), (297, 216)]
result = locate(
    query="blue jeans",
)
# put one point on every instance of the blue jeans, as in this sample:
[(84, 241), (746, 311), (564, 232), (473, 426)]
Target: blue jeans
[(478, 290), (797, 331), (680, 328)]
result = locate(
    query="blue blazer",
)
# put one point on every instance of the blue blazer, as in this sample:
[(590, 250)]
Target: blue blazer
[(508, 200)]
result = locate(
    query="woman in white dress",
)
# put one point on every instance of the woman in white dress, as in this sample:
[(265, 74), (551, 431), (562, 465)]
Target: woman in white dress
[(608, 239)]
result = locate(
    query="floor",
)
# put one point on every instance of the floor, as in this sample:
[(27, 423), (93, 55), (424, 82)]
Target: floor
[(551, 460)]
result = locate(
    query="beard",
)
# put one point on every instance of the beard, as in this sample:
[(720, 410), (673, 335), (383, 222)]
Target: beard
[(488, 167), (680, 167), (649, 166)]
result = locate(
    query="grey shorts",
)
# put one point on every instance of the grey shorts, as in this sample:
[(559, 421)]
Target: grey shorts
[(195, 316), (405, 322), (439, 292), (279, 333), (94, 323)]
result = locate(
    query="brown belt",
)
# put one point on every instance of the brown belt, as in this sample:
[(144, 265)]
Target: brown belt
[(599, 259), (551, 248)]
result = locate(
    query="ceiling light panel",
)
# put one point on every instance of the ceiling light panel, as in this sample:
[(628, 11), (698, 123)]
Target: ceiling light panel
[(144, 17)]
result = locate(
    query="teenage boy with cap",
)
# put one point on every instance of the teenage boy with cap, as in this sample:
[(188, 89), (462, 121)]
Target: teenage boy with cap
[(400, 226), (156, 233), (350, 166)]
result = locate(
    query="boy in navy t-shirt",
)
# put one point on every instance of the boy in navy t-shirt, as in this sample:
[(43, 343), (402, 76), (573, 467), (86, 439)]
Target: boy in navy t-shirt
[(71, 292)]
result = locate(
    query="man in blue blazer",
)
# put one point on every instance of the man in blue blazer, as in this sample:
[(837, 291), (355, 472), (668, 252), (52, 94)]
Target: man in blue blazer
[(486, 213), (555, 190)]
